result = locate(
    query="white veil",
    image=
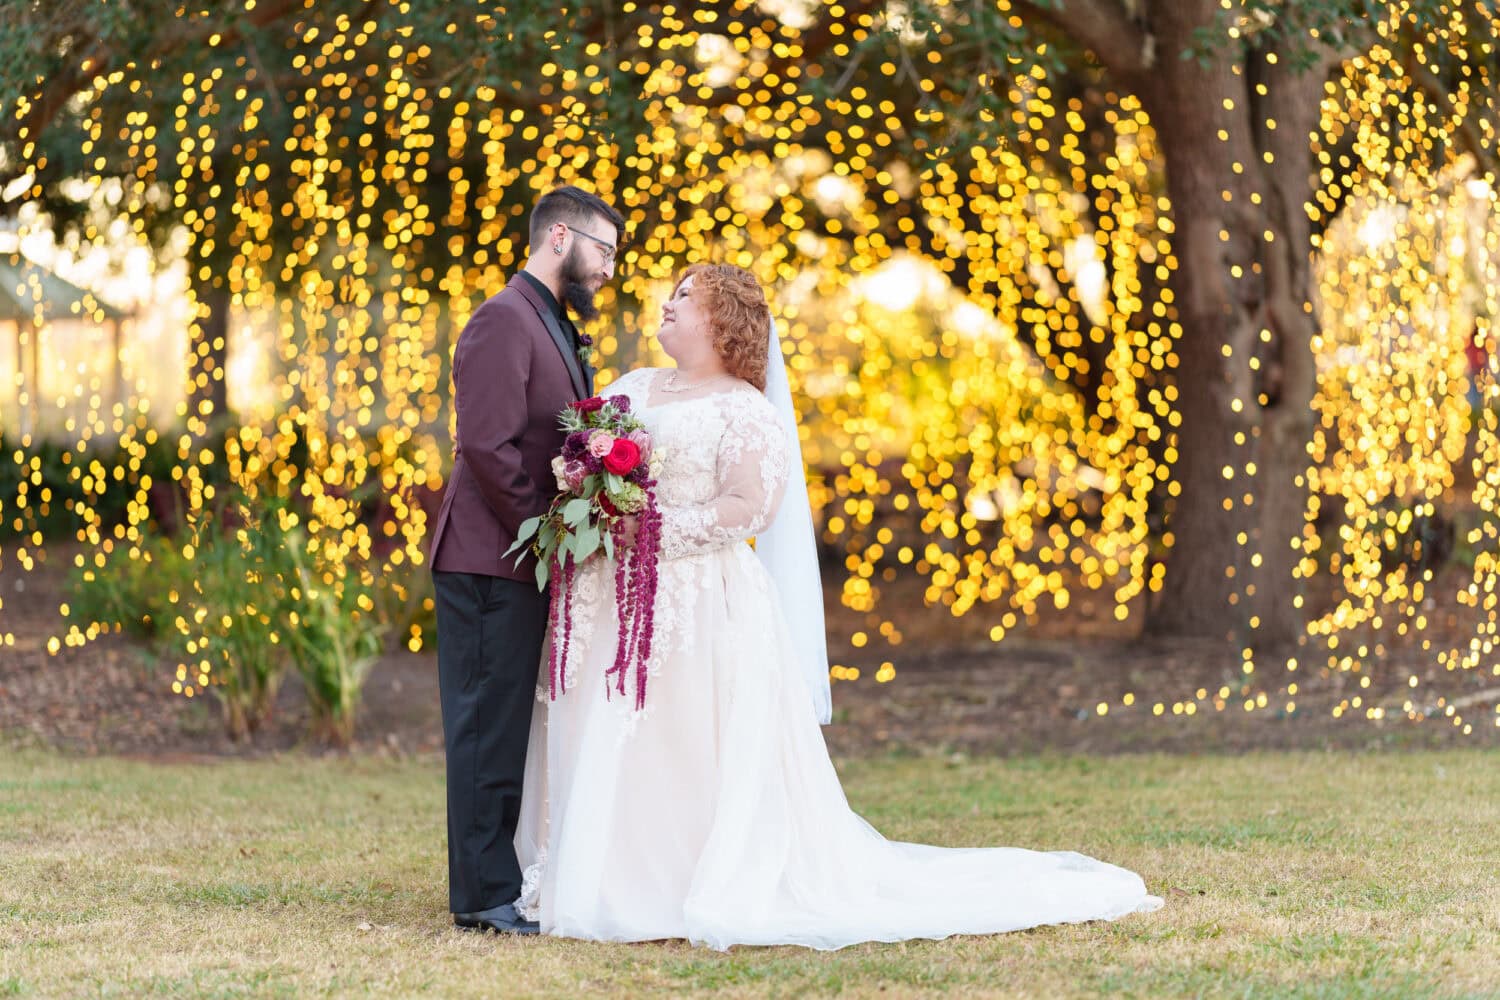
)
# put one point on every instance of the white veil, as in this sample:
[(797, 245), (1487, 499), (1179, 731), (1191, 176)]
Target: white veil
[(789, 551)]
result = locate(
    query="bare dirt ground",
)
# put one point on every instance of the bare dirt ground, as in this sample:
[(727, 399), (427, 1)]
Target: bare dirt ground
[(954, 691)]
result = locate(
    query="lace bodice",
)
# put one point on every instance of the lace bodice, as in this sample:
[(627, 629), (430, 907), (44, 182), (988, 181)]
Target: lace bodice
[(724, 462), (721, 465)]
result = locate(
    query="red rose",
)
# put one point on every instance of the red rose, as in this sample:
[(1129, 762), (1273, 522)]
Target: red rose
[(589, 405), (623, 457)]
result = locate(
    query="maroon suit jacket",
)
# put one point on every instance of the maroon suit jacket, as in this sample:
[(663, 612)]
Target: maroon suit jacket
[(514, 370)]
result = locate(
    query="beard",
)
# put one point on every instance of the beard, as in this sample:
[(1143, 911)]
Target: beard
[(577, 295)]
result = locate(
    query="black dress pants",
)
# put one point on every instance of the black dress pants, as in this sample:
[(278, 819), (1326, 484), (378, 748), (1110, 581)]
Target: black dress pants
[(490, 634)]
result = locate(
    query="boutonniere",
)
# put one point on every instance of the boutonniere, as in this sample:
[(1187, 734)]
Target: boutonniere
[(585, 349)]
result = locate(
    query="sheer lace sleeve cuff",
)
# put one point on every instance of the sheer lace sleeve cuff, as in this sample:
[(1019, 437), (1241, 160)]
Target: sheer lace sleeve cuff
[(751, 474)]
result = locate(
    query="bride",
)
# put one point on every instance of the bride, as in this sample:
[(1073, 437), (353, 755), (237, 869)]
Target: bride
[(714, 814)]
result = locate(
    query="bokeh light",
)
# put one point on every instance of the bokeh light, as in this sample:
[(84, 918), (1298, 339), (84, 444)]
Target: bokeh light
[(979, 314)]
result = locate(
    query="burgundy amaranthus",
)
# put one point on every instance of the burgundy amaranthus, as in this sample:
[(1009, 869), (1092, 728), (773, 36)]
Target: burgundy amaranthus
[(603, 476), (561, 618), (635, 604), (635, 598)]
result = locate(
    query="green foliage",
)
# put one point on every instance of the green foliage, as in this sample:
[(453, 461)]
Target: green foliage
[(464, 56), (950, 76), (242, 597), (1475, 532), (265, 80), (55, 488), (49, 480), (227, 616), (204, 601), (331, 635), (1304, 33), (133, 594)]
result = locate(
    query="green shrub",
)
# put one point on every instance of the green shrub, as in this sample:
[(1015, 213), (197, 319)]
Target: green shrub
[(242, 598), (42, 487), (130, 592), (225, 627), (39, 488), (331, 635)]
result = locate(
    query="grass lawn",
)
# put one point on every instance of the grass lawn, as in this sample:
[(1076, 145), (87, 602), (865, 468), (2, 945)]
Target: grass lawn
[(1305, 875)]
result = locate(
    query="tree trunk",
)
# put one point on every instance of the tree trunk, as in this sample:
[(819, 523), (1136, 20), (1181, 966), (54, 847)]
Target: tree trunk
[(1291, 379), (1246, 373), (1201, 113)]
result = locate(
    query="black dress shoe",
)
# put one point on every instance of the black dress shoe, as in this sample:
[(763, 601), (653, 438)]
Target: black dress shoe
[(500, 919)]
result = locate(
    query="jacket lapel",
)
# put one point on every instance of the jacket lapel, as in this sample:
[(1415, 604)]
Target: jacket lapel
[(570, 356), (581, 381)]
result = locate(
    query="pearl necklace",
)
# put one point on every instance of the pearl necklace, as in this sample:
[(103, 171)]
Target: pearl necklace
[(674, 383)]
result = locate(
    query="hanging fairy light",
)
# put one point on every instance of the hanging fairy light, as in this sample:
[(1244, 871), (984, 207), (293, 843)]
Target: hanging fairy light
[(950, 442)]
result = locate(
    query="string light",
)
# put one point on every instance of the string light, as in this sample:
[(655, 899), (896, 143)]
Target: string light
[(946, 429)]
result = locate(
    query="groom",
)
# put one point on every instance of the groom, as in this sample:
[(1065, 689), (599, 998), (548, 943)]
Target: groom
[(515, 367)]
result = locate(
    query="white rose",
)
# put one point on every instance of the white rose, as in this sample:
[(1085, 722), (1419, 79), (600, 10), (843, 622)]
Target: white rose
[(558, 466)]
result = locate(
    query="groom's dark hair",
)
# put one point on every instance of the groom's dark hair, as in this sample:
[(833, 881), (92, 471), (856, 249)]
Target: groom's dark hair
[(572, 206)]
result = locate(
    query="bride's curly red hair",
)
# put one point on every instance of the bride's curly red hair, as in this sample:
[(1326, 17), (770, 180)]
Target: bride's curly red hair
[(738, 318)]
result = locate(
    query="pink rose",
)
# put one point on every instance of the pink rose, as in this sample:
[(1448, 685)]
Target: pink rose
[(601, 443)]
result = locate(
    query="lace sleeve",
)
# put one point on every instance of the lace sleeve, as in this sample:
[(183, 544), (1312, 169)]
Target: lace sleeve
[(751, 473)]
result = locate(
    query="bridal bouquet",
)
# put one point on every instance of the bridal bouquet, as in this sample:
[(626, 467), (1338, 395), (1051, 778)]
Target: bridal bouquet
[(604, 475)]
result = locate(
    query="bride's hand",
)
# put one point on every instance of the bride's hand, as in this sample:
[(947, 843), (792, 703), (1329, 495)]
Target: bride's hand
[(629, 525)]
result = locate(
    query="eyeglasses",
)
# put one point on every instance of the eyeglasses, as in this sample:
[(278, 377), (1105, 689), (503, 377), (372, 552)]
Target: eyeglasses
[(609, 248)]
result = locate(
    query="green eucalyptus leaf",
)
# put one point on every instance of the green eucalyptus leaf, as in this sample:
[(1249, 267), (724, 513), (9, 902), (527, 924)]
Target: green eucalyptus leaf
[(587, 542), (575, 511), (528, 530)]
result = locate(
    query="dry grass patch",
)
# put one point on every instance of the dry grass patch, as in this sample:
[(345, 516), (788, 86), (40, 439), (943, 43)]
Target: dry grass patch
[(1295, 875)]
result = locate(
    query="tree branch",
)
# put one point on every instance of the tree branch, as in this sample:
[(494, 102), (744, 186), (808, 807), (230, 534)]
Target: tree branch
[(1119, 40), (59, 90), (1468, 136)]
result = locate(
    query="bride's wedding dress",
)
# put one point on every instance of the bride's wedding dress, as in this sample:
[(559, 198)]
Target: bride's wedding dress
[(715, 813)]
